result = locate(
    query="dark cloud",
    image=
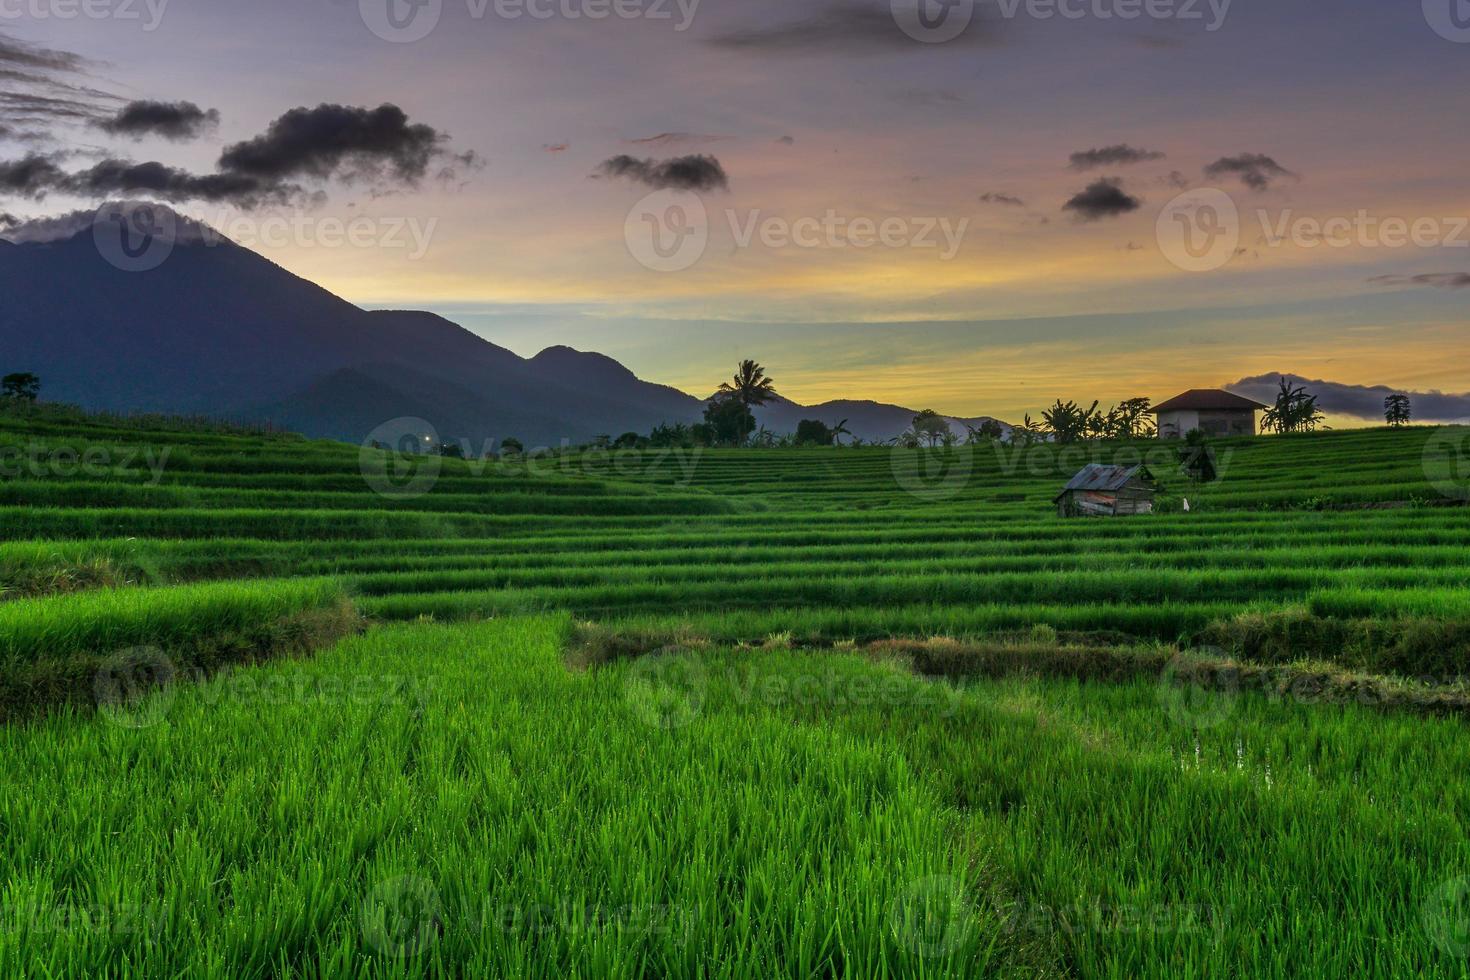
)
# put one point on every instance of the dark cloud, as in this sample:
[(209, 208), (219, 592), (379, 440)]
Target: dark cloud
[(696, 172), (31, 176), (44, 108), (1115, 155), (1440, 280), (1255, 170), (13, 135), (1176, 180), (1104, 198), (672, 139), (847, 27), (112, 177), (8, 220), (337, 141), (1003, 199), (786, 140), (46, 87), (54, 84), (329, 142), (177, 121), (1360, 401), (14, 51)]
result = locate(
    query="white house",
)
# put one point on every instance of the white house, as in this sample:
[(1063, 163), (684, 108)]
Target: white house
[(1212, 410)]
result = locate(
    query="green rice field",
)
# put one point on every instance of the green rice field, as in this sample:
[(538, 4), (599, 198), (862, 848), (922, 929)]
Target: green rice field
[(273, 707)]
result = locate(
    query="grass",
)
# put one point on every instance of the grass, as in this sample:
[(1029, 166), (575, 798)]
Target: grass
[(477, 808), (520, 815), (836, 715), (98, 647)]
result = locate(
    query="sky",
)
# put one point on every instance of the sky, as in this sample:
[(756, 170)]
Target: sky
[(973, 207)]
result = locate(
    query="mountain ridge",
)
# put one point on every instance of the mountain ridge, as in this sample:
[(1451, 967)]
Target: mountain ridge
[(217, 329)]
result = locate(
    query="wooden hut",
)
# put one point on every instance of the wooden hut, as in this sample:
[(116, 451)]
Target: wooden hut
[(1107, 491)]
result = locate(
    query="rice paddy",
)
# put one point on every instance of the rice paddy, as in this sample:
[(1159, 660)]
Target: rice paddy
[(844, 712)]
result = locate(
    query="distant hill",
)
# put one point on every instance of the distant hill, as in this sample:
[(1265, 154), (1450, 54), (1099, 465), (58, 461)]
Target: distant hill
[(868, 420), (216, 329)]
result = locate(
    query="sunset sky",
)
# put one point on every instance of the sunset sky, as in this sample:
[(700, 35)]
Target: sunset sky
[(829, 112)]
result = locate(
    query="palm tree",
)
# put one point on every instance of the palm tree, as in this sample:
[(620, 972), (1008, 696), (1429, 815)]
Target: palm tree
[(839, 430), (750, 386), (1294, 411)]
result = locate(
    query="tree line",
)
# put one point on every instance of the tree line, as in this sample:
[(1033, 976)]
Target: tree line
[(729, 421), (20, 387)]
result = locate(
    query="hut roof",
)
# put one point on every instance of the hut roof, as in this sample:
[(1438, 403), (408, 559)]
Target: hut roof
[(1101, 477), (1206, 399)]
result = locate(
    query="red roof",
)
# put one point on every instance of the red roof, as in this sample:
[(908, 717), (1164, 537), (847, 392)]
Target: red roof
[(1206, 400)]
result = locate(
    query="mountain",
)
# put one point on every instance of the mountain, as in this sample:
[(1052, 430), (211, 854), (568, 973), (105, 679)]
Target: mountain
[(868, 420), (215, 329)]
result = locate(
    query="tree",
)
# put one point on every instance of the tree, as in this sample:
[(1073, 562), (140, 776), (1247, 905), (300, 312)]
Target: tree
[(931, 427), (986, 432), (22, 386), (730, 422), (1027, 433), (511, 446), (1131, 420), (667, 436), (766, 439), (628, 440), (751, 388), (1396, 410), (839, 430), (1294, 411), (1068, 422), (811, 432)]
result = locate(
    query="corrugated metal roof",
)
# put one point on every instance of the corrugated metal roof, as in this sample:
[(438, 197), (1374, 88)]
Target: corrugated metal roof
[(1206, 399), (1098, 476)]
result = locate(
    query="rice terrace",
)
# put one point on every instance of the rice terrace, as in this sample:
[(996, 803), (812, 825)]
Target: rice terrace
[(284, 706), (734, 490)]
